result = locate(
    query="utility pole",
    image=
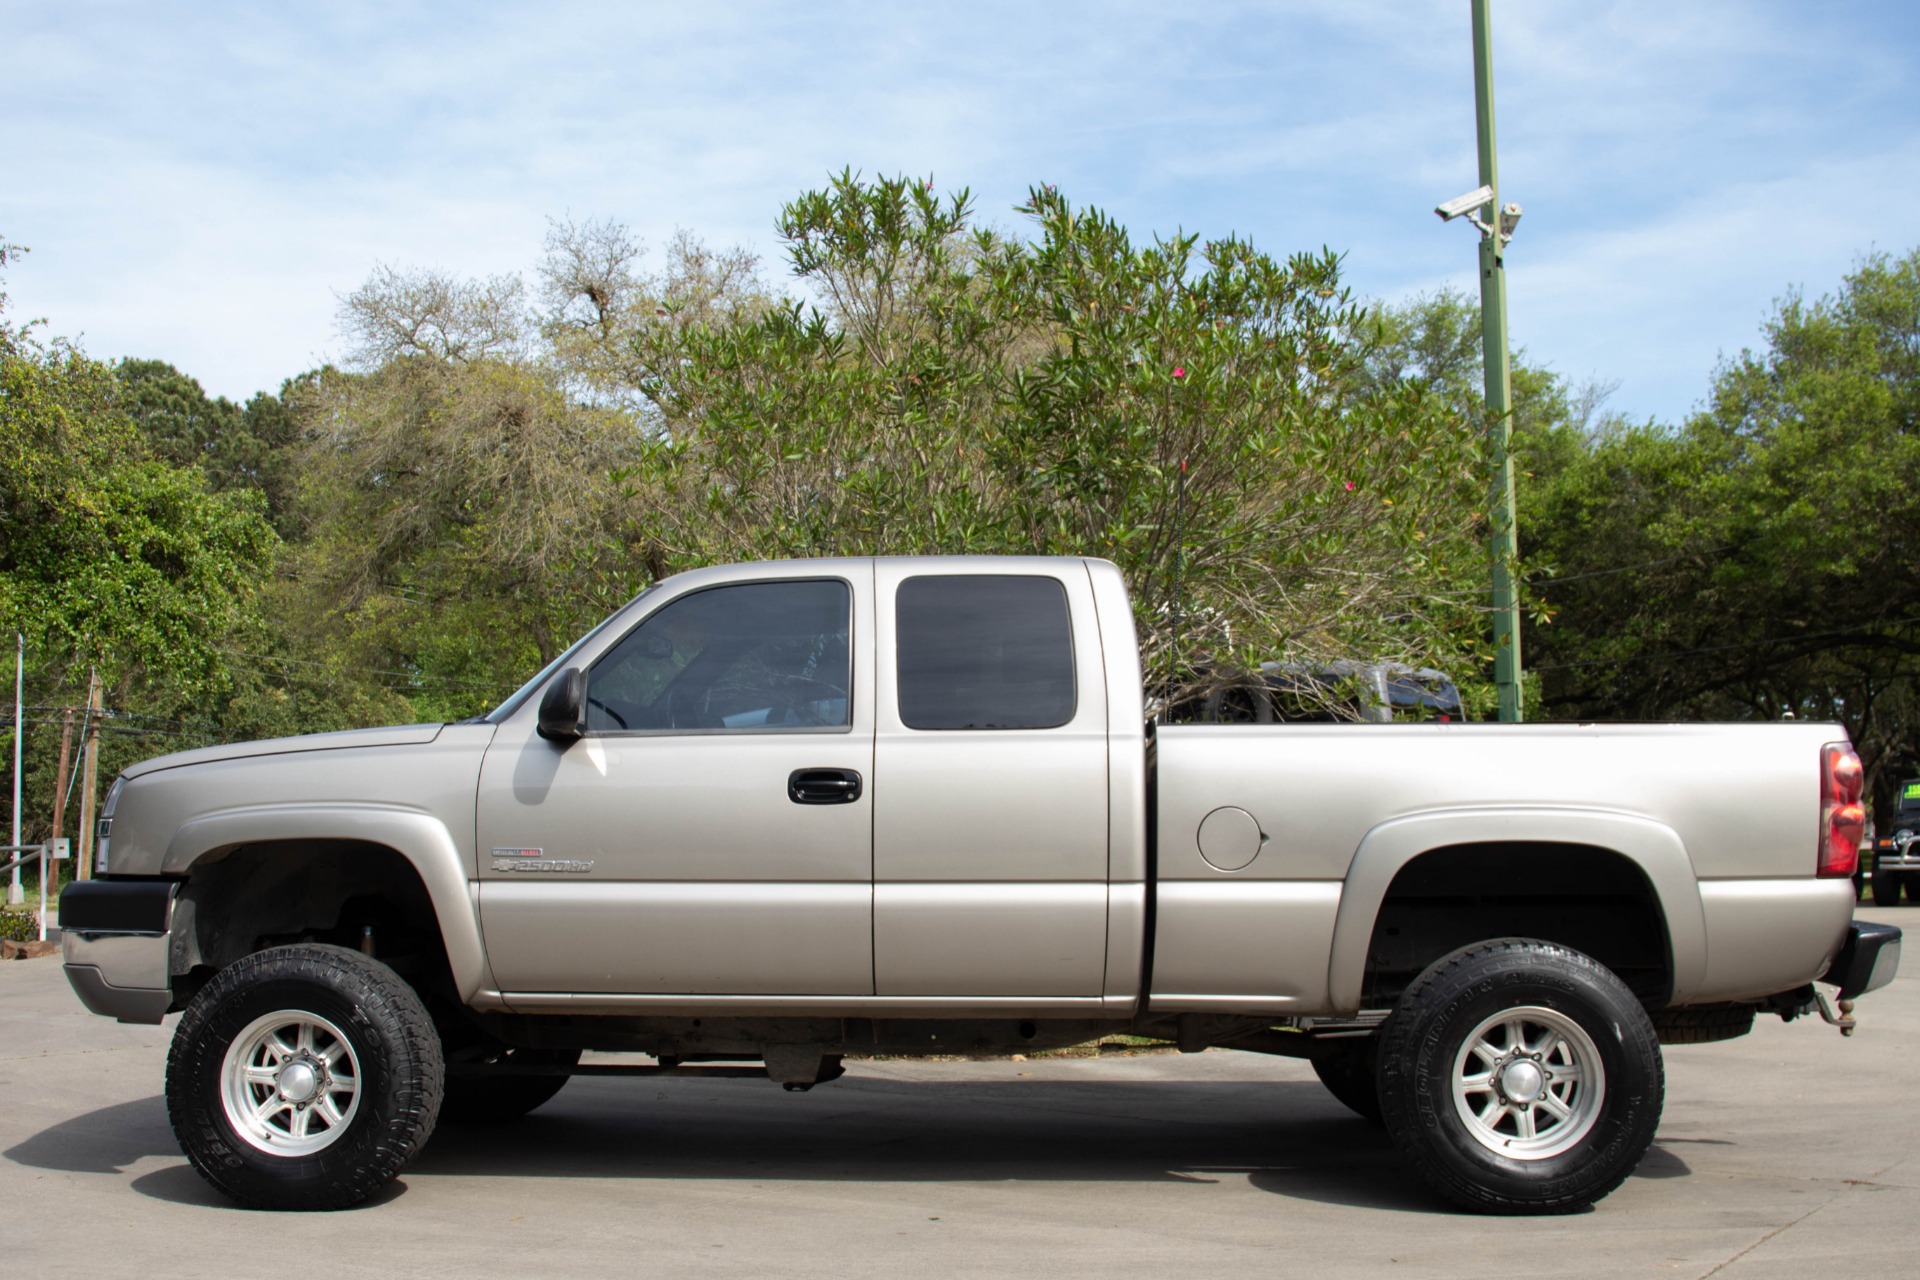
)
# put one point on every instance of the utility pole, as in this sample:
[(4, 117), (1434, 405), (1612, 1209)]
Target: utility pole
[(16, 895), (47, 867), (89, 763), (1503, 545), (1495, 230), (60, 775)]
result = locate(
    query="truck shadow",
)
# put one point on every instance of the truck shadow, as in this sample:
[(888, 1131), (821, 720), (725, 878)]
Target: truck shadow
[(109, 1140), (886, 1130), (1282, 1137)]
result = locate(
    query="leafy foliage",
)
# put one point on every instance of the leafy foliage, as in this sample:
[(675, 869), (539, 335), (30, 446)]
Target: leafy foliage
[(957, 391), (235, 448), (1282, 473), (1757, 562), (19, 926), (110, 555)]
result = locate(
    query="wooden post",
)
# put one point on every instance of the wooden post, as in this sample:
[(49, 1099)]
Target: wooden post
[(89, 764)]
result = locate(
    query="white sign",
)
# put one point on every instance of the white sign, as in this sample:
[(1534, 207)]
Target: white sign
[(61, 848)]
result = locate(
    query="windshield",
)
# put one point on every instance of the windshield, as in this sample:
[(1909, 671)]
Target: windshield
[(526, 690)]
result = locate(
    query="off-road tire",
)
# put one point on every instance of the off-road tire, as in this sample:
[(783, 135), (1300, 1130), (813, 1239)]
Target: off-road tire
[(396, 1070), (1350, 1070), (1604, 1070), (491, 1099), (1886, 889)]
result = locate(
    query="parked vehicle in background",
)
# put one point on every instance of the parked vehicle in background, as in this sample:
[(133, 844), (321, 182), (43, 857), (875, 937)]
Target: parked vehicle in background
[(1343, 691), (1896, 856)]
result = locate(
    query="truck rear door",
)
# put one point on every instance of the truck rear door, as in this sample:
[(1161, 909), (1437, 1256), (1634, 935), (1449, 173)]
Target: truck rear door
[(990, 780)]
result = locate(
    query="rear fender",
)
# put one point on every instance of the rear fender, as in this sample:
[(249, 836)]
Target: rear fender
[(1652, 846)]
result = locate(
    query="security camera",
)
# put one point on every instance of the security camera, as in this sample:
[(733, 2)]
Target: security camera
[(1467, 203), (1509, 219)]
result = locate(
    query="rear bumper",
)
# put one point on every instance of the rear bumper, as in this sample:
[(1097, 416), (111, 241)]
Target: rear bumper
[(114, 937), (1867, 960)]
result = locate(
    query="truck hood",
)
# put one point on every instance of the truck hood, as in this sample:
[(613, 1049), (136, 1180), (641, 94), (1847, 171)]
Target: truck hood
[(398, 735)]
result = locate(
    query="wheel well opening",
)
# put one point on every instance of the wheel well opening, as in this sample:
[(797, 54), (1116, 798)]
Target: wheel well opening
[(350, 893), (1594, 900)]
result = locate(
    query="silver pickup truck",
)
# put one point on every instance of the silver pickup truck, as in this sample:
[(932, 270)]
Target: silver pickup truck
[(769, 816)]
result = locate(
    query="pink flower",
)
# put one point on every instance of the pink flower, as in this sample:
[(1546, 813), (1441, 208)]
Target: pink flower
[(1180, 371), (1349, 486)]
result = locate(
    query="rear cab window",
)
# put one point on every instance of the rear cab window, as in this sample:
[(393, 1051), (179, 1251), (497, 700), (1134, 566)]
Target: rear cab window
[(984, 651)]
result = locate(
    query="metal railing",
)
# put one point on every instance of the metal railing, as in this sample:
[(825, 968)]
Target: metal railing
[(21, 854)]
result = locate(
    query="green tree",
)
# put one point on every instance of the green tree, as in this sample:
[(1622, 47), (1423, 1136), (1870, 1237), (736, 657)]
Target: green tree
[(954, 390), (473, 491), (111, 557), (1758, 561), (235, 447), (457, 499)]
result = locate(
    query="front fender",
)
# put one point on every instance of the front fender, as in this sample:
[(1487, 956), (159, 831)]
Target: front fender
[(420, 838), (1652, 846)]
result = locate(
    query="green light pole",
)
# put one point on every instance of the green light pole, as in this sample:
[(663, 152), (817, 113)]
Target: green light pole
[(1496, 228)]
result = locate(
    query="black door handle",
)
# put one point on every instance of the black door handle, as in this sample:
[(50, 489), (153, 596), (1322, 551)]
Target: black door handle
[(823, 786)]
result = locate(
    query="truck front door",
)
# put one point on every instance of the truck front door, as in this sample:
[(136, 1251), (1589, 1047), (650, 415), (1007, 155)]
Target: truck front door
[(712, 832)]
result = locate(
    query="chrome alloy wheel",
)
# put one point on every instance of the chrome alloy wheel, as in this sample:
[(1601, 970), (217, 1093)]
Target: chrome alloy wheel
[(290, 1083), (1528, 1083)]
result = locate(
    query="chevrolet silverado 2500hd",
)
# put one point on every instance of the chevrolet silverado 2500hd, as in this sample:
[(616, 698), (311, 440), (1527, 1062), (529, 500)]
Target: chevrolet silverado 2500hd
[(779, 814)]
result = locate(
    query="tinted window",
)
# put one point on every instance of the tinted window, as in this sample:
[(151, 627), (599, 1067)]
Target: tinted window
[(754, 657), (1431, 695), (984, 652)]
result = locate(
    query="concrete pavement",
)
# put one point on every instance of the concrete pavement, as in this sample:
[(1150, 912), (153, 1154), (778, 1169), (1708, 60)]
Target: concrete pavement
[(1787, 1153)]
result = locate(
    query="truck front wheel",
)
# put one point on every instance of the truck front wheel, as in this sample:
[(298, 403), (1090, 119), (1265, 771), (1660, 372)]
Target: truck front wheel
[(303, 1077), (1520, 1076)]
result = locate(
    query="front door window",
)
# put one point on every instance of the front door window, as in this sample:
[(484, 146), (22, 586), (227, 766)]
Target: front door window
[(758, 657)]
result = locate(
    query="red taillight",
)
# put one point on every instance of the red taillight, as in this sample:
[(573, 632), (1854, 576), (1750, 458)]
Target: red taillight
[(1842, 819)]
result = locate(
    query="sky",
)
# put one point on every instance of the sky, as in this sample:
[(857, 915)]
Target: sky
[(201, 183)]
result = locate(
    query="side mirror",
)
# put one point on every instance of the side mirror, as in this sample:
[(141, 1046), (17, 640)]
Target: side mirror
[(563, 711)]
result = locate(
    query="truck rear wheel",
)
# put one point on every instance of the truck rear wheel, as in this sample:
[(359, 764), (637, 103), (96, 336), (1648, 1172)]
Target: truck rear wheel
[(1520, 1076), (303, 1077)]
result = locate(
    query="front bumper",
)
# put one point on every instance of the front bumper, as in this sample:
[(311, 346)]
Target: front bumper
[(1888, 857), (1867, 960), (115, 936)]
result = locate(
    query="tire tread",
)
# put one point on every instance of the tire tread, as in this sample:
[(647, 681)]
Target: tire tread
[(384, 1002), (1399, 1039)]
